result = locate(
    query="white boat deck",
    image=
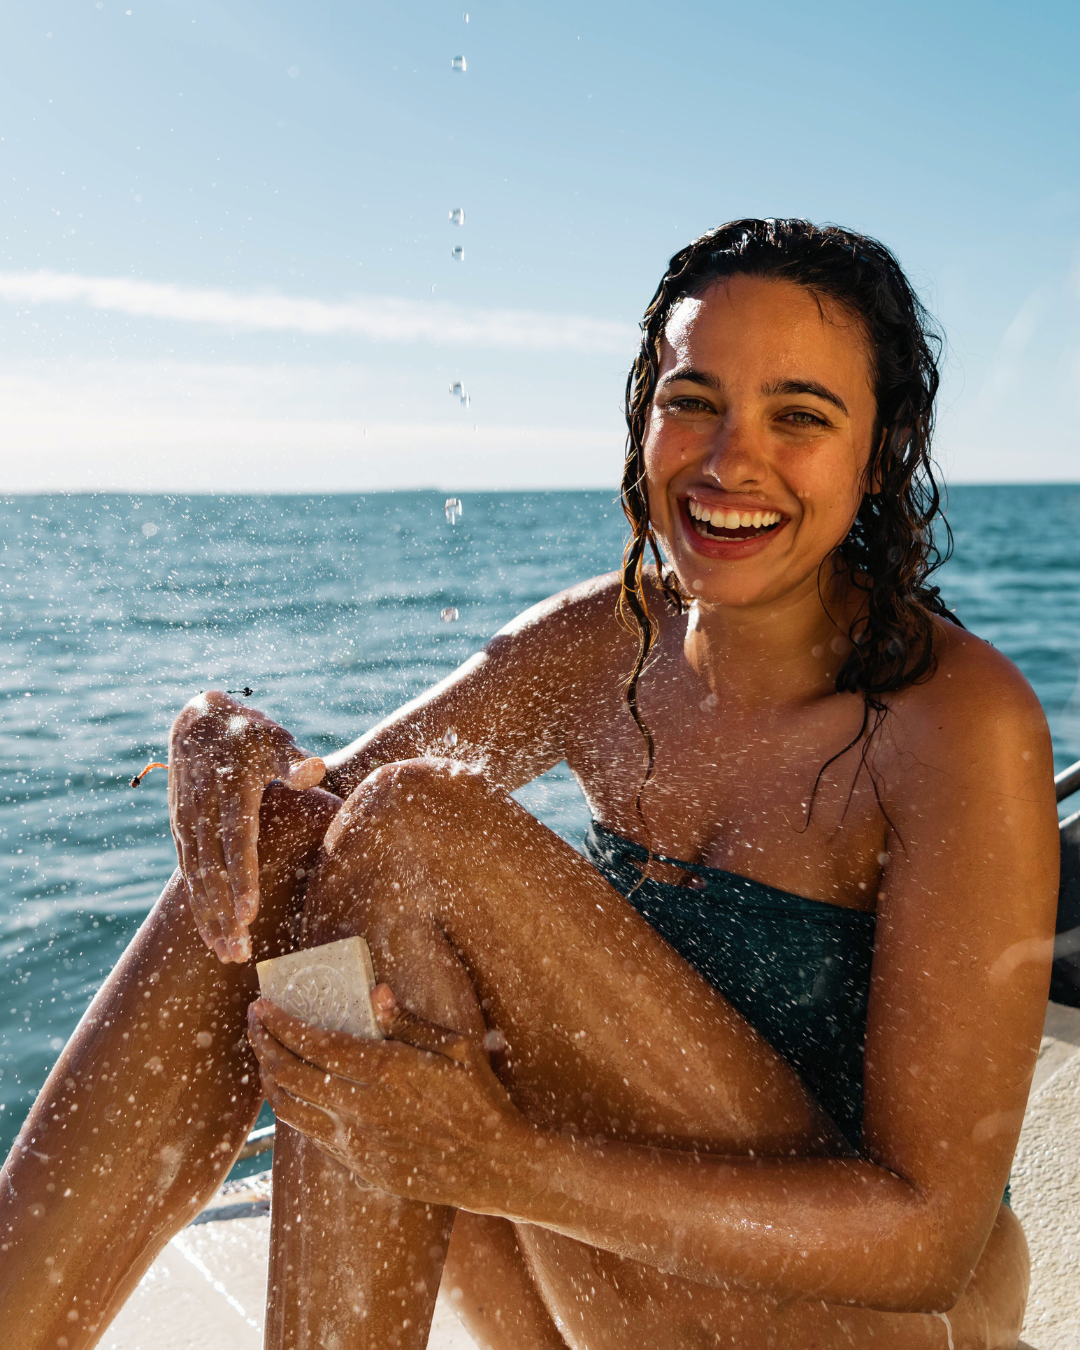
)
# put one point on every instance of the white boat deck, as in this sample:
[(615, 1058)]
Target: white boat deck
[(207, 1288)]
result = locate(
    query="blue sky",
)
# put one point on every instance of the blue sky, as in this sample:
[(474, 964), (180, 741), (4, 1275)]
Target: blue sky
[(226, 257)]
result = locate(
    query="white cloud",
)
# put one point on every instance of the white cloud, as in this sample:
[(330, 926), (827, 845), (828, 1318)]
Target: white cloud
[(175, 426), (381, 318)]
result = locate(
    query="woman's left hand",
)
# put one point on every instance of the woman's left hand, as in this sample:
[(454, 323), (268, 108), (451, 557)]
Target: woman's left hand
[(421, 1114)]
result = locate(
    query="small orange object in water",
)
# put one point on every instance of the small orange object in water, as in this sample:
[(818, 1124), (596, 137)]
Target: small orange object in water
[(140, 776)]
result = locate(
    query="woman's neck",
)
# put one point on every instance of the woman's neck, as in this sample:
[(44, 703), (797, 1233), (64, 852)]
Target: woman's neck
[(781, 651)]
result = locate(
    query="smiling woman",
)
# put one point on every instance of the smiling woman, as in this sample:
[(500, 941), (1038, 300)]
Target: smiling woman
[(749, 1073)]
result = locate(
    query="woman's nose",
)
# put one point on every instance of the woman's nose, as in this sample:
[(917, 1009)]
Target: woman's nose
[(735, 456)]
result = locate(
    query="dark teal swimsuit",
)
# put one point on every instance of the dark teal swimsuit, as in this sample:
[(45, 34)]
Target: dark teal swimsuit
[(798, 970)]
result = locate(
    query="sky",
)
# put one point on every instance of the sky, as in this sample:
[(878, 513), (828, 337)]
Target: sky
[(226, 261)]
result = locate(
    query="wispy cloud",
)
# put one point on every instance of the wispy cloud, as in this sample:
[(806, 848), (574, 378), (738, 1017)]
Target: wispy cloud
[(178, 426), (381, 318)]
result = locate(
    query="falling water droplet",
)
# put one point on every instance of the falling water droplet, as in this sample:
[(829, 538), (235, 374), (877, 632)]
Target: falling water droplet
[(457, 216), (457, 389), (453, 510), (450, 739), (458, 63), (458, 253), (465, 16), (465, 400), (449, 614)]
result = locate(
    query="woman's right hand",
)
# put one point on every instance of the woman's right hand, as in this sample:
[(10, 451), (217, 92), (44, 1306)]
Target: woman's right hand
[(222, 757)]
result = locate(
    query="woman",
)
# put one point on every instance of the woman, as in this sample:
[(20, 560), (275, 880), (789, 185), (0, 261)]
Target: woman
[(623, 1099)]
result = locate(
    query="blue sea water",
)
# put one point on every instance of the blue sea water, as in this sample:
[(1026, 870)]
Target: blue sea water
[(115, 609)]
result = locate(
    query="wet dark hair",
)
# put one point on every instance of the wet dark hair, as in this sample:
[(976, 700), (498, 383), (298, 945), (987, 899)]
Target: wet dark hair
[(889, 551)]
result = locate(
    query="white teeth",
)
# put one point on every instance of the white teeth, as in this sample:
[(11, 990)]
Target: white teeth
[(722, 519)]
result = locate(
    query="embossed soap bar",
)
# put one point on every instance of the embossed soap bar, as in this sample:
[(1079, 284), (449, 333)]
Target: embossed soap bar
[(328, 986)]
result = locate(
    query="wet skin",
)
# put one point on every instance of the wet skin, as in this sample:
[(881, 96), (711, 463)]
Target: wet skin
[(627, 1162)]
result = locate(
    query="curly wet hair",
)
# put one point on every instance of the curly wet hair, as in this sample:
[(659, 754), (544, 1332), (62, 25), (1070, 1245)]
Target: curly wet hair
[(890, 551)]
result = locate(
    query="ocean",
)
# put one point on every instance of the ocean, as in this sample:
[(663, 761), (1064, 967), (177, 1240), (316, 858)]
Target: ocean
[(115, 609)]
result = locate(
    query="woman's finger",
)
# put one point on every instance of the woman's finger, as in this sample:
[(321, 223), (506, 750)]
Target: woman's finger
[(240, 849), (269, 1028), (312, 1121), (402, 1025), (303, 772), (302, 1080), (334, 1051), (206, 921), (215, 879)]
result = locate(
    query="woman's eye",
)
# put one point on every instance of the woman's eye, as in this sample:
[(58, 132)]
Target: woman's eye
[(688, 404), (805, 419)]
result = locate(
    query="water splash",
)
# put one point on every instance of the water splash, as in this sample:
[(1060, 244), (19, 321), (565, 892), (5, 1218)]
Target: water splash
[(450, 739), (453, 510)]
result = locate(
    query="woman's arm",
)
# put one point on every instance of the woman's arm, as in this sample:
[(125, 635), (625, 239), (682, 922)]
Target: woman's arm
[(505, 709)]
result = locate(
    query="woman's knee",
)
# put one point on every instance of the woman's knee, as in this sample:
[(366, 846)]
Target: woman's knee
[(399, 806), (381, 839)]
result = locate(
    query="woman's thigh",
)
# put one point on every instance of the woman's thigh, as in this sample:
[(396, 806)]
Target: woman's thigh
[(606, 1029)]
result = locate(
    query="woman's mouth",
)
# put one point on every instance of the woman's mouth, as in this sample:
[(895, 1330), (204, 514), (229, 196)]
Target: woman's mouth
[(731, 526)]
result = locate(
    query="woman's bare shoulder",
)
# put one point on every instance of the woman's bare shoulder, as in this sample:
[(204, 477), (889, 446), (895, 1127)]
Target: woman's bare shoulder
[(580, 623), (976, 710)]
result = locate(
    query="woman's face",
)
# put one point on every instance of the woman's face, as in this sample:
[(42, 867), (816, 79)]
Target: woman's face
[(758, 438)]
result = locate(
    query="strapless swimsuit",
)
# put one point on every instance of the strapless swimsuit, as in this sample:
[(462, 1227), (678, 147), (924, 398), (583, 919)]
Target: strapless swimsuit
[(798, 970)]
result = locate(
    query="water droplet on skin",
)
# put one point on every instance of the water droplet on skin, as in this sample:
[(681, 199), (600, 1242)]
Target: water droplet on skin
[(37, 1211), (458, 253), (449, 614), (453, 510), (457, 216), (112, 1113), (450, 739), (494, 1041), (458, 63)]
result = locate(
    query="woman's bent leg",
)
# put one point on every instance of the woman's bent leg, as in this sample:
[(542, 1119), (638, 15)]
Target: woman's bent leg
[(480, 918), (147, 1106)]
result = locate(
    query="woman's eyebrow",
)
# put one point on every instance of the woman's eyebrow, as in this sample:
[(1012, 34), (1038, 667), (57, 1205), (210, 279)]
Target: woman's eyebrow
[(692, 376), (804, 387)]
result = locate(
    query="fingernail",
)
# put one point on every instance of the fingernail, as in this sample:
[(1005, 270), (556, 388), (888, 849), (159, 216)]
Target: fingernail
[(221, 947), (383, 995), (240, 948)]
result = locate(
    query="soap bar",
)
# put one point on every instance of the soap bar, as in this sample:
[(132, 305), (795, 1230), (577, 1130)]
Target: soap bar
[(329, 986)]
